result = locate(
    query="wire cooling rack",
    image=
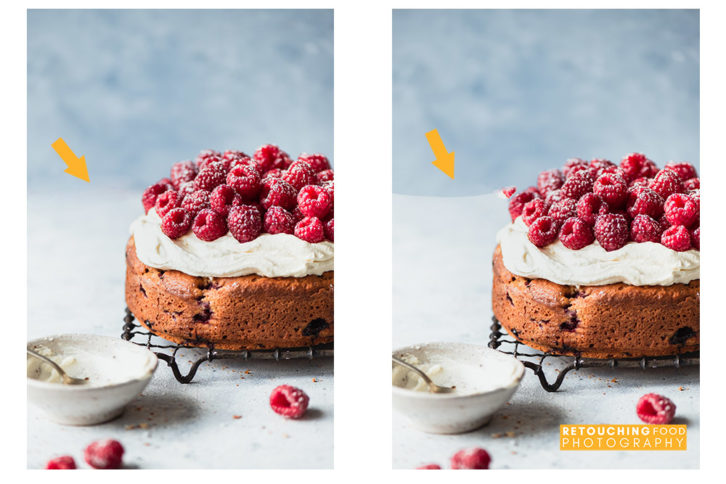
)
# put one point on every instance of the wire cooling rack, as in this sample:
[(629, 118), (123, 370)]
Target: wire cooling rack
[(169, 352), (534, 360)]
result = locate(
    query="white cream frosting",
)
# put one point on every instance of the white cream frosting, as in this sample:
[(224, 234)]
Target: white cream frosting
[(637, 264), (269, 255)]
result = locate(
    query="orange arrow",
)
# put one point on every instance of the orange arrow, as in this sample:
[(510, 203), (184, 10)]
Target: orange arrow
[(76, 166), (444, 160)]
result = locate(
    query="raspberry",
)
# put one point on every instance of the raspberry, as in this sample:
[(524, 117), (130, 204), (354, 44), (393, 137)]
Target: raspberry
[(542, 231), (245, 223), (677, 238), (176, 223), (552, 197), (636, 165), (533, 210), (507, 192), (330, 187), (104, 454), (148, 198), (323, 176), (577, 163), (684, 170), (577, 185), (665, 183), (517, 202), (549, 180), (274, 173), (279, 221), (645, 229), (182, 172), (209, 225), (430, 467), (696, 197), (602, 165), (186, 189), (310, 229), (612, 189), (268, 157), (299, 174), (692, 184), (644, 201), (563, 209), (197, 201), (223, 198), (655, 409), (611, 231), (234, 155), (205, 157), (329, 229), (680, 209), (63, 462), (167, 201), (576, 234), (245, 180), (316, 161), (314, 201), (640, 182), (474, 458), (210, 177), (297, 215), (289, 401), (277, 192), (695, 238), (664, 224), (589, 206)]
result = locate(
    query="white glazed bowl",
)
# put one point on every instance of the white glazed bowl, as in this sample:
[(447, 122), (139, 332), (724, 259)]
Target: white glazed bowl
[(452, 413), (86, 404)]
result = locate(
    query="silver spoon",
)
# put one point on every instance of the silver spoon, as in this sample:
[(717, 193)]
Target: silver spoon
[(67, 379), (433, 387)]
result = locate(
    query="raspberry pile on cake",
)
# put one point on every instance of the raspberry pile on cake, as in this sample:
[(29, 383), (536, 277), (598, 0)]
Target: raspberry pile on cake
[(602, 260), (236, 252)]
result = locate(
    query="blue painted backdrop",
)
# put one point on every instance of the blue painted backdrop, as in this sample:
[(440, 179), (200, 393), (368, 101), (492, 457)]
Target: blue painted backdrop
[(516, 92), (135, 91)]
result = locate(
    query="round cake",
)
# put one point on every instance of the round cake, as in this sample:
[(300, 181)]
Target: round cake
[(603, 261), (236, 252)]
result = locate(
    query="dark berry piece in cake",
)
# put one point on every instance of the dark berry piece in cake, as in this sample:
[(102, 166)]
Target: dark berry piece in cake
[(276, 192), (474, 458), (223, 198), (549, 180), (205, 157), (576, 234), (655, 409), (167, 201), (245, 179), (562, 209), (268, 157), (684, 170), (324, 176), (61, 463), (330, 228), (182, 172), (636, 165), (612, 188), (644, 201), (645, 228), (316, 161), (577, 184), (429, 467), (148, 198), (104, 454), (310, 229), (517, 203), (611, 231), (299, 174), (676, 237), (665, 183), (279, 221), (176, 223), (314, 201), (289, 401), (210, 177), (692, 184), (695, 238), (245, 223), (680, 209), (196, 202), (543, 231), (533, 210), (589, 206), (209, 225)]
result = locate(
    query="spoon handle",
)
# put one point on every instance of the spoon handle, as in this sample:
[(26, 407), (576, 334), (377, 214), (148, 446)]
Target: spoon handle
[(47, 360), (409, 366)]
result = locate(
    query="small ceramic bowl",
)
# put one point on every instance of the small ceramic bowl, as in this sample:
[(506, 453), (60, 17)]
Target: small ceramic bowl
[(116, 369), (485, 380)]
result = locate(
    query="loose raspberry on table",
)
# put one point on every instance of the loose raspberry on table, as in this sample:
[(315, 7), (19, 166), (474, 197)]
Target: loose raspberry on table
[(205, 157), (209, 225), (299, 174), (589, 206), (684, 170), (543, 231), (680, 209), (245, 223), (665, 183), (577, 185), (223, 198), (644, 201), (576, 234), (562, 209), (636, 165), (611, 231), (62, 462), (289, 401), (104, 454), (612, 189), (655, 409), (549, 180), (474, 458), (310, 229), (676, 237), (196, 202), (533, 210), (279, 221), (182, 172), (695, 238), (330, 229), (324, 176), (573, 163), (517, 203), (507, 192), (176, 223), (277, 192), (245, 180), (645, 229), (148, 198), (314, 201), (210, 177), (167, 201), (268, 157), (429, 467), (692, 184), (316, 161)]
